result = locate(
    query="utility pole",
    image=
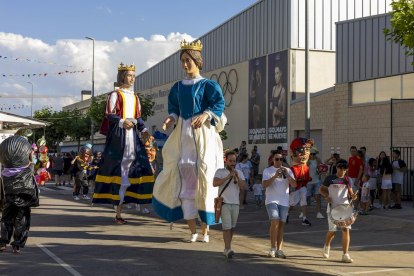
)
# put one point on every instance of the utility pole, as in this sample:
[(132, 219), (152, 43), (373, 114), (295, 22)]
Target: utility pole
[(93, 88), (31, 107), (307, 96)]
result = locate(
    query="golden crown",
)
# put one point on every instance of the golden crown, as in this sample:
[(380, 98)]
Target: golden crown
[(121, 67), (191, 46)]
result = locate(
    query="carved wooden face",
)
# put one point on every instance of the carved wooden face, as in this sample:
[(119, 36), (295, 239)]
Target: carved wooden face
[(129, 78), (188, 65), (151, 152), (300, 156)]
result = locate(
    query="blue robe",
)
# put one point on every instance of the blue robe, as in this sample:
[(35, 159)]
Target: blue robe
[(187, 102)]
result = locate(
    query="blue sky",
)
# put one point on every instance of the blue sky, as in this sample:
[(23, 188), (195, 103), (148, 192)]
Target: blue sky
[(109, 20), (143, 32)]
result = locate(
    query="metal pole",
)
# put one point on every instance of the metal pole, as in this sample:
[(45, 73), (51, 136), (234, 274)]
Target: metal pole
[(307, 96), (31, 107), (93, 88)]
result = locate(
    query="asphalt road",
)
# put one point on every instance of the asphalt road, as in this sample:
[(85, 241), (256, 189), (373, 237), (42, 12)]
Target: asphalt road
[(69, 237)]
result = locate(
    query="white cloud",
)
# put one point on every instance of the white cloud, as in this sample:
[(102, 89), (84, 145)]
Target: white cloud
[(108, 10), (108, 54), (99, 7), (142, 18)]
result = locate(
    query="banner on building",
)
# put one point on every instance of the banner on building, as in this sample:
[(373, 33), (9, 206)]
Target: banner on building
[(257, 101), (277, 97)]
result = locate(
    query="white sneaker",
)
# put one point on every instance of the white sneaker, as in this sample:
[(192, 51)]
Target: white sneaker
[(230, 253), (326, 251), (272, 253), (301, 215), (86, 197), (76, 198), (225, 252), (280, 254), (320, 216), (194, 237), (206, 238), (146, 211), (346, 258), (129, 206)]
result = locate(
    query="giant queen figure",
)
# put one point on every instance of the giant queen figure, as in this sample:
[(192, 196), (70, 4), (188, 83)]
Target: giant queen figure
[(125, 174), (194, 150)]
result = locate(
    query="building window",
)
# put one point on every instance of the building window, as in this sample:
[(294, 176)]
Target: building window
[(363, 92), (408, 86), (383, 89), (387, 89)]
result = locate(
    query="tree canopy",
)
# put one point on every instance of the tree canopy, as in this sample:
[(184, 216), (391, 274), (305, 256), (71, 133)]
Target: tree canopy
[(402, 25)]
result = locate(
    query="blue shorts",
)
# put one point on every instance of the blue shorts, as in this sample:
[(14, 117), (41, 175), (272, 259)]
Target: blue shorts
[(276, 211), (313, 189), (258, 197)]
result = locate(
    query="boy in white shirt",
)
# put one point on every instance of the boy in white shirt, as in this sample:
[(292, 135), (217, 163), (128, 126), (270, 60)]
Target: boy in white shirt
[(257, 190), (365, 195), (230, 181)]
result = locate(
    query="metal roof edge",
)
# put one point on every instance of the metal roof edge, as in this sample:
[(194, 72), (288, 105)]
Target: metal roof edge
[(362, 18), (312, 95)]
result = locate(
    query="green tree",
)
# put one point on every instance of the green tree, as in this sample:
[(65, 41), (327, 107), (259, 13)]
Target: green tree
[(78, 125), (402, 25), (55, 132), (98, 105)]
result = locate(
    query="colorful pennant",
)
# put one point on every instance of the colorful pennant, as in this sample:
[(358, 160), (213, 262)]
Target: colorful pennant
[(40, 75), (45, 62)]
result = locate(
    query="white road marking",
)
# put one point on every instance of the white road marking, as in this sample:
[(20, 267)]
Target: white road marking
[(377, 271), (59, 261)]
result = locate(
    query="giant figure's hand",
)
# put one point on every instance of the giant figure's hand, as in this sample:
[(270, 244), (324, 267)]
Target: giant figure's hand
[(199, 121), (145, 136), (127, 125), (168, 123)]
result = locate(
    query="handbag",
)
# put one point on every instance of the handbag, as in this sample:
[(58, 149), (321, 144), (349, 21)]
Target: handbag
[(218, 202)]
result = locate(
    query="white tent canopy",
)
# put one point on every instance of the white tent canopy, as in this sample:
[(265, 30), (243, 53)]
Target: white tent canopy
[(17, 122)]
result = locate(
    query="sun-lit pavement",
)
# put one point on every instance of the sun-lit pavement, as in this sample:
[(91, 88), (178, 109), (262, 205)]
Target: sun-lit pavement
[(69, 237)]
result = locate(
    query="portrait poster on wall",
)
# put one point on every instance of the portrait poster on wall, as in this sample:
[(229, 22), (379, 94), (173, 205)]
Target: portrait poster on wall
[(257, 101), (277, 97)]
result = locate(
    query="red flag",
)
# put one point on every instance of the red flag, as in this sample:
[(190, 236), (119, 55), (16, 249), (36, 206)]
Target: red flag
[(45, 74)]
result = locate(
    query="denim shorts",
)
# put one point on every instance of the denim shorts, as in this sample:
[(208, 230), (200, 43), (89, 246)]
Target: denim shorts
[(258, 197), (313, 189), (276, 211)]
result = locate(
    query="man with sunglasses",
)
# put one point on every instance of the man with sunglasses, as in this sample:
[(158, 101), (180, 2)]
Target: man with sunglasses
[(276, 180)]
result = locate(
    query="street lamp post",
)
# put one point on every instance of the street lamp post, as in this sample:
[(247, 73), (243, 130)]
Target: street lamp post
[(31, 107), (93, 87)]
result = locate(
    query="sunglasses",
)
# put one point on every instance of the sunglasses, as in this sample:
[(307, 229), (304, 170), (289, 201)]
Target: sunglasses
[(278, 159), (313, 154)]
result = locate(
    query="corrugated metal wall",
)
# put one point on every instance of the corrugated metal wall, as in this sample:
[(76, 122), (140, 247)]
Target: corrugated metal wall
[(363, 51), (266, 27), (322, 17)]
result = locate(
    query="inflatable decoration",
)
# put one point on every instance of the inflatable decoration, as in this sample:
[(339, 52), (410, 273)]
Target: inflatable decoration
[(322, 168), (34, 147), (43, 149), (41, 142)]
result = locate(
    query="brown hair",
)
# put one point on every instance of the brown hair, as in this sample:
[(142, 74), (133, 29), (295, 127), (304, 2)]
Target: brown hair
[(120, 78), (195, 56)]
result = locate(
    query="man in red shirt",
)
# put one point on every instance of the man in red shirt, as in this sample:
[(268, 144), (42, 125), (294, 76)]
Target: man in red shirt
[(356, 168)]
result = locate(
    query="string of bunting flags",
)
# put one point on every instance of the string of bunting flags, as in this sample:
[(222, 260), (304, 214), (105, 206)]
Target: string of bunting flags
[(40, 75), (45, 62), (12, 106)]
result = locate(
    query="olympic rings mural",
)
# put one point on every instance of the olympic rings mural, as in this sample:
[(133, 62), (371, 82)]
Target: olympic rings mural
[(227, 86)]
